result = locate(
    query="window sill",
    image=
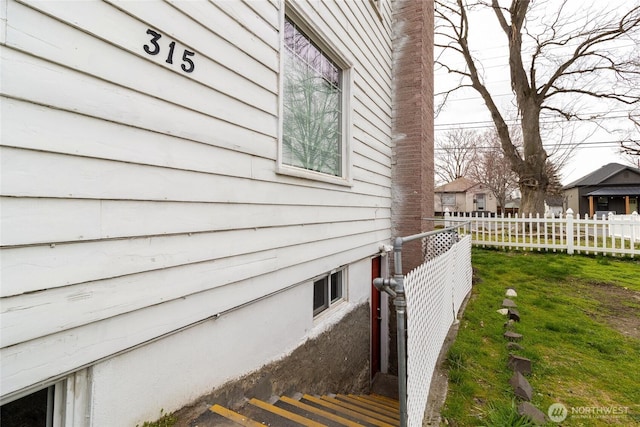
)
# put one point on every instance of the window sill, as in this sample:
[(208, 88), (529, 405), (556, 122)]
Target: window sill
[(313, 176), (330, 316)]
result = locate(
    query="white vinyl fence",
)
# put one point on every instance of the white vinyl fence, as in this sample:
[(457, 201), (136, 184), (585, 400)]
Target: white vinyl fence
[(607, 235), (434, 291)]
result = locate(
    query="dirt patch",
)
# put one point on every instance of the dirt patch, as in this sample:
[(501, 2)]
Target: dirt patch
[(619, 307)]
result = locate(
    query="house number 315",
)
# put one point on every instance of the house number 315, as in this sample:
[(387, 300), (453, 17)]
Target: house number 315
[(154, 48)]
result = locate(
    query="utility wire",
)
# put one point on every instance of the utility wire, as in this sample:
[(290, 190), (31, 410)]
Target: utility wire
[(515, 121)]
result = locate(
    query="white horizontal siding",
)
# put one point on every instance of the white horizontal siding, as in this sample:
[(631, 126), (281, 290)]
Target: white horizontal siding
[(88, 261), (233, 22), (29, 173), (44, 221), (90, 137), (209, 260), (138, 199), (30, 78), (58, 353), (124, 25)]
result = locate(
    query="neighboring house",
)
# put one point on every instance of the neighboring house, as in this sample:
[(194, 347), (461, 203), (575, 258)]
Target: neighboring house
[(192, 190), (611, 188), (554, 205), (512, 207), (464, 195)]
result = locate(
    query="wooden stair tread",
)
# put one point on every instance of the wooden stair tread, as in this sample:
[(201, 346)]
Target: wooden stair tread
[(355, 400), (378, 402), (284, 414), (317, 414), (309, 411), (345, 411), (235, 418)]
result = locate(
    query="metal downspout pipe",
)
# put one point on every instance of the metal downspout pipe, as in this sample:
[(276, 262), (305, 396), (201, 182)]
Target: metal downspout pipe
[(395, 287), (401, 305)]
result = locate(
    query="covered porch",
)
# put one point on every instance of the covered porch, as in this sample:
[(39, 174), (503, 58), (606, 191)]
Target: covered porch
[(617, 199)]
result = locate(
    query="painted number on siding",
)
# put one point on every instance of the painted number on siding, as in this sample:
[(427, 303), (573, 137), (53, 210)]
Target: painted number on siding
[(153, 48)]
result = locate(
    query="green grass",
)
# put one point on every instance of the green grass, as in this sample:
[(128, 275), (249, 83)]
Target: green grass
[(165, 420), (572, 309)]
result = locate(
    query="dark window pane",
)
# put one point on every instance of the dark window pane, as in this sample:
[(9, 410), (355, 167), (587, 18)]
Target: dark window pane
[(336, 286), (320, 297), (29, 411)]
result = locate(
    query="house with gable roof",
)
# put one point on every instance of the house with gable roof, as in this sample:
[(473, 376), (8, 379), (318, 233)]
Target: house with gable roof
[(464, 195), (611, 188)]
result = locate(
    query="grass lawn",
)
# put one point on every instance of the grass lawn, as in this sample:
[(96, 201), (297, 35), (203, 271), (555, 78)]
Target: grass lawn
[(580, 317)]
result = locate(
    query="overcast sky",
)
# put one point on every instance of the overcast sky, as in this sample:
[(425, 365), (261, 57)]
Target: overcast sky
[(597, 146)]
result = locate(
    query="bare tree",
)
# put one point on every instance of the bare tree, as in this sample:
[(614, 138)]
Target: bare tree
[(492, 169), (455, 153), (631, 147), (570, 61)]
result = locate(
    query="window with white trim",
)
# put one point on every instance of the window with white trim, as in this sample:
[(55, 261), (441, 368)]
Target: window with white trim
[(328, 290), (315, 107), (448, 199)]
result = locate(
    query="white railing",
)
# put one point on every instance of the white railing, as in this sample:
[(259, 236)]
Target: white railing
[(607, 235), (435, 292)]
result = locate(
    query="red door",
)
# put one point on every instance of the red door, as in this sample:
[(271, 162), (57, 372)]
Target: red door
[(375, 318)]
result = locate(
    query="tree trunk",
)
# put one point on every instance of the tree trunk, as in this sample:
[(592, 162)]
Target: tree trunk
[(533, 173), (532, 200)]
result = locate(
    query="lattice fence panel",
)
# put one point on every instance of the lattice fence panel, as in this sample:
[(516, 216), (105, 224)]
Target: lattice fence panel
[(434, 292), (437, 244), (463, 276)]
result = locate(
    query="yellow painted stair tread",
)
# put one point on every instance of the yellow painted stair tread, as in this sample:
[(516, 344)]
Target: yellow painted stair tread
[(234, 416), (377, 402), (362, 410), (393, 412), (285, 414), (392, 402), (343, 410), (365, 405), (333, 417)]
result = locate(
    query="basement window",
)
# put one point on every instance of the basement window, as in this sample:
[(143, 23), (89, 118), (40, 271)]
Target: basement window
[(34, 410), (328, 290)]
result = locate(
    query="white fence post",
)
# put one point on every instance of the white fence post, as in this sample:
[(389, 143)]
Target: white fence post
[(447, 218), (569, 226), (610, 218)]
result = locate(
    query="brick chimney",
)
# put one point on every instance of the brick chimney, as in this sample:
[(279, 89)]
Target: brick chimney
[(412, 124)]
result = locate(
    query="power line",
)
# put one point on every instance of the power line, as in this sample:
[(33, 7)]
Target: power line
[(513, 121), (581, 145)]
